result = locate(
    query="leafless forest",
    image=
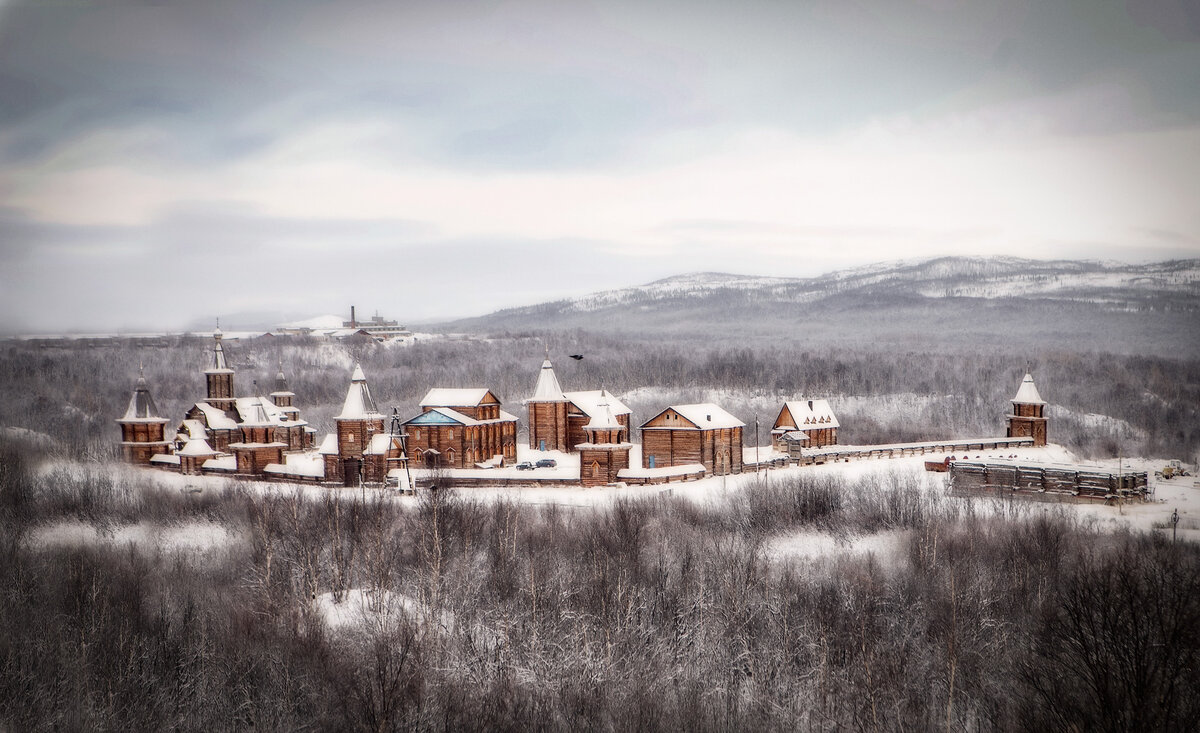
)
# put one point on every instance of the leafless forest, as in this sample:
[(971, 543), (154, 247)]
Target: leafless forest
[(1110, 404), (653, 614)]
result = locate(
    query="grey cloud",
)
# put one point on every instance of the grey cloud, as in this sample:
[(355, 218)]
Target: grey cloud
[(532, 85)]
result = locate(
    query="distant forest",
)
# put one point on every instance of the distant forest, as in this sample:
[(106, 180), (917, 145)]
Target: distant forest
[(1104, 404)]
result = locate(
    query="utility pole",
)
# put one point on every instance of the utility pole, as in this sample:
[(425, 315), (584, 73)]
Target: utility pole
[(757, 461), (1174, 524)]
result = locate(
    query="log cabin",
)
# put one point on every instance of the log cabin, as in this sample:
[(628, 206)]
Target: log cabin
[(808, 423), (686, 434), (462, 428)]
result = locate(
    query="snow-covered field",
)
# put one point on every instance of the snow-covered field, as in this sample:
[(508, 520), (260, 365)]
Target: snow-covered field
[(197, 538), (1167, 496)]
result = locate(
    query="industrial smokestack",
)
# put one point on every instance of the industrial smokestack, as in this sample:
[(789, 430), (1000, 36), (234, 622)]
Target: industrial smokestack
[(353, 322)]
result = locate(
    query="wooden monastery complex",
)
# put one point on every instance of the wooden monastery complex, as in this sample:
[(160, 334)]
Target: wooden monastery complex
[(465, 433)]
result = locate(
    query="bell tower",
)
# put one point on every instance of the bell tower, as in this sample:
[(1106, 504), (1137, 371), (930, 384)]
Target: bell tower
[(219, 377), (142, 428), (547, 411), (357, 423), (605, 453)]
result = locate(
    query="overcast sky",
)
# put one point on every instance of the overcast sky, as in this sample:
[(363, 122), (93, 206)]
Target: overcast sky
[(160, 165)]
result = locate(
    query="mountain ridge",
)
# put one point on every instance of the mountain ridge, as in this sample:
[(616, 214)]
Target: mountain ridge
[(1075, 302)]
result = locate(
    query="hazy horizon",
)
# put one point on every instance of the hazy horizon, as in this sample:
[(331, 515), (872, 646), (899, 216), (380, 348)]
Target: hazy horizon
[(162, 165)]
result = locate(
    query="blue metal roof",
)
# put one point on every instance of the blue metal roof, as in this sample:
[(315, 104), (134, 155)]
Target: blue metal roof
[(433, 417)]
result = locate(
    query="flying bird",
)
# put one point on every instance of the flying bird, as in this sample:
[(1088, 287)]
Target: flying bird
[(577, 357)]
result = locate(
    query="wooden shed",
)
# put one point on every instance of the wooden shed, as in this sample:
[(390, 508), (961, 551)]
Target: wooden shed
[(686, 434)]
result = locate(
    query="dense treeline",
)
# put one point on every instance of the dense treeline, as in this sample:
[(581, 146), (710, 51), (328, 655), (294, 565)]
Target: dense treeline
[(73, 393), (659, 614)]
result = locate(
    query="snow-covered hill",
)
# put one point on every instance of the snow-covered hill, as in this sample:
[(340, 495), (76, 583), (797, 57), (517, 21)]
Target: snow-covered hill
[(1087, 304), (316, 323), (960, 277)]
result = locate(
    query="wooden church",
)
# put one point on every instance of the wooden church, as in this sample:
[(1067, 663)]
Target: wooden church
[(558, 420), (462, 428)]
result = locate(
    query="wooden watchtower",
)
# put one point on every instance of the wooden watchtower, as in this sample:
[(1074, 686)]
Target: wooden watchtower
[(1028, 418)]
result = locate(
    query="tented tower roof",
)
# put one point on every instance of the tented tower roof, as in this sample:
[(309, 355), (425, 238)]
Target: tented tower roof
[(141, 404), (359, 404), (1027, 393), (548, 388)]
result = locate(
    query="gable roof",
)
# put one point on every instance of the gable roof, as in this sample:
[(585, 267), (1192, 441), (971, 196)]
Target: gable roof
[(588, 402), (1027, 393), (702, 416), (197, 447), (808, 414), (257, 411), (442, 416), (380, 444), (468, 397), (193, 428), (216, 418)]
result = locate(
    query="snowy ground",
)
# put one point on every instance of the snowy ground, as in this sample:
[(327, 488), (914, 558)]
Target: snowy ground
[(812, 548), (1167, 496), (198, 538)]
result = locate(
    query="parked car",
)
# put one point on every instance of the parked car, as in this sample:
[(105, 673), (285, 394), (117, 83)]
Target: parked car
[(547, 463), (524, 466)]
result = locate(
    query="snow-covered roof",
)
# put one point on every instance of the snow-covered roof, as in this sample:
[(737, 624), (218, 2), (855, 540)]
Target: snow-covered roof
[(379, 445), (141, 405), (705, 416), (196, 447), (257, 411), (661, 471), (329, 445), (165, 458), (195, 429), (588, 402), (359, 403), (216, 418), (307, 467), (442, 397), (810, 414), (1027, 393), (220, 463), (548, 388), (603, 418)]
